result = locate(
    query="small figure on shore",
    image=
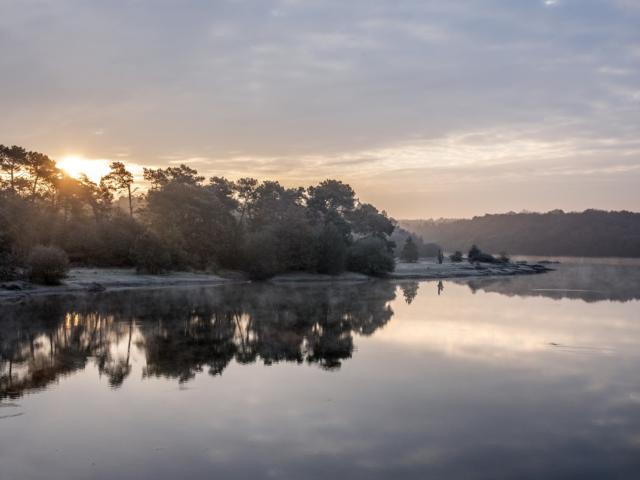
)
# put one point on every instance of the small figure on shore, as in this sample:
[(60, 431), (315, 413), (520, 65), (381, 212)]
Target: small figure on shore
[(440, 287)]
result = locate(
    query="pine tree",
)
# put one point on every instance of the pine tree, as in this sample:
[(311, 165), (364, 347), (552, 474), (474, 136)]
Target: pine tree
[(409, 251)]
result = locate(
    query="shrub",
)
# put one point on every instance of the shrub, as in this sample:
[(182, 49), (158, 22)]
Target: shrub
[(151, 255), (477, 255), (370, 256), (456, 257), (47, 265)]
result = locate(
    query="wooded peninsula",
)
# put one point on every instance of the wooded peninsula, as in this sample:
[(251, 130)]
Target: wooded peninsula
[(183, 221)]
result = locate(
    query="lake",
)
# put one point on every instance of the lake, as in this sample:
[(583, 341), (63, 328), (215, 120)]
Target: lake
[(496, 378)]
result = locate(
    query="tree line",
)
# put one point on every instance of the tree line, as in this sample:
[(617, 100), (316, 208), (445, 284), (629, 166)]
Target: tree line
[(592, 233), (185, 221)]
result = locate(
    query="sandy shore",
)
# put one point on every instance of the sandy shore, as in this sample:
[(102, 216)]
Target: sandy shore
[(95, 280)]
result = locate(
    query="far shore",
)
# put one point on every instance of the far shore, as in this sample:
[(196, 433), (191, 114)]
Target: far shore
[(95, 280)]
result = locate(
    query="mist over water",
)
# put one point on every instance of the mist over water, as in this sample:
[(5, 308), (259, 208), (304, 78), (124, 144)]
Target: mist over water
[(519, 377)]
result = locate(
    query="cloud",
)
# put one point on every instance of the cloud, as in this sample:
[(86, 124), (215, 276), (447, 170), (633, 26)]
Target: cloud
[(363, 90)]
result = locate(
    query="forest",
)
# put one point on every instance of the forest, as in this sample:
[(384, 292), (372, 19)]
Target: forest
[(183, 221), (592, 233)]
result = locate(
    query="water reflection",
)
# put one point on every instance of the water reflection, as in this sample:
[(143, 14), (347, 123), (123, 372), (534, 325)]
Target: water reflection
[(589, 281), (501, 380), (409, 291), (183, 332)]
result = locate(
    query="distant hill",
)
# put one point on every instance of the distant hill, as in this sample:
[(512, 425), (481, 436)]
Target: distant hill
[(592, 233)]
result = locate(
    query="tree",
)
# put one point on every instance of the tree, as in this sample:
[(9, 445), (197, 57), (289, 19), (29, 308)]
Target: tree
[(150, 254), (477, 255), (41, 169), (98, 196), (367, 220), (473, 254), (409, 251), (456, 257), (192, 220), (330, 251), (331, 195), (245, 190), (371, 256), (260, 255), (119, 179), (7, 258), (272, 203), (12, 162), (161, 177)]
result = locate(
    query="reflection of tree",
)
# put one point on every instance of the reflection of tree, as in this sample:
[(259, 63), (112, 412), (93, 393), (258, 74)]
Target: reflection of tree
[(409, 291), (590, 282), (38, 353), (182, 332), (116, 369)]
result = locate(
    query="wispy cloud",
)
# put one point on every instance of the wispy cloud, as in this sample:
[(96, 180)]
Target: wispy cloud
[(457, 93)]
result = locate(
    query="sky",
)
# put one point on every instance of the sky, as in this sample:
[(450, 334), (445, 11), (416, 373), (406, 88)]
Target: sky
[(427, 108)]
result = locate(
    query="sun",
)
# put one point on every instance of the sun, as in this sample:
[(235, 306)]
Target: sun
[(75, 166)]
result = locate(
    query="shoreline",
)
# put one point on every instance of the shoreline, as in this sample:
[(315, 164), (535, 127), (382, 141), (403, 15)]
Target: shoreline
[(429, 270), (97, 280)]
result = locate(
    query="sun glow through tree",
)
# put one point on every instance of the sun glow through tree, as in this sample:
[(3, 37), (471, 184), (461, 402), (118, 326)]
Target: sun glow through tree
[(75, 166)]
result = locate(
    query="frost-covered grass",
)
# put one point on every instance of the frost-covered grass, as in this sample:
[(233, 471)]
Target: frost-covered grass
[(427, 269), (99, 279)]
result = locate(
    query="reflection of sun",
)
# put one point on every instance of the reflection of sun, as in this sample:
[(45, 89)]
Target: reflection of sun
[(75, 165)]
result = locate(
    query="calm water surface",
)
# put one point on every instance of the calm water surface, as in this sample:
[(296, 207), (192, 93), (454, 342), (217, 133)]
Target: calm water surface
[(522, 377)]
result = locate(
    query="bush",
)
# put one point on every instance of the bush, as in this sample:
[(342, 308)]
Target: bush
[(456, 257), (47, 265), (477, 255), (151, 255), (370, 256)]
